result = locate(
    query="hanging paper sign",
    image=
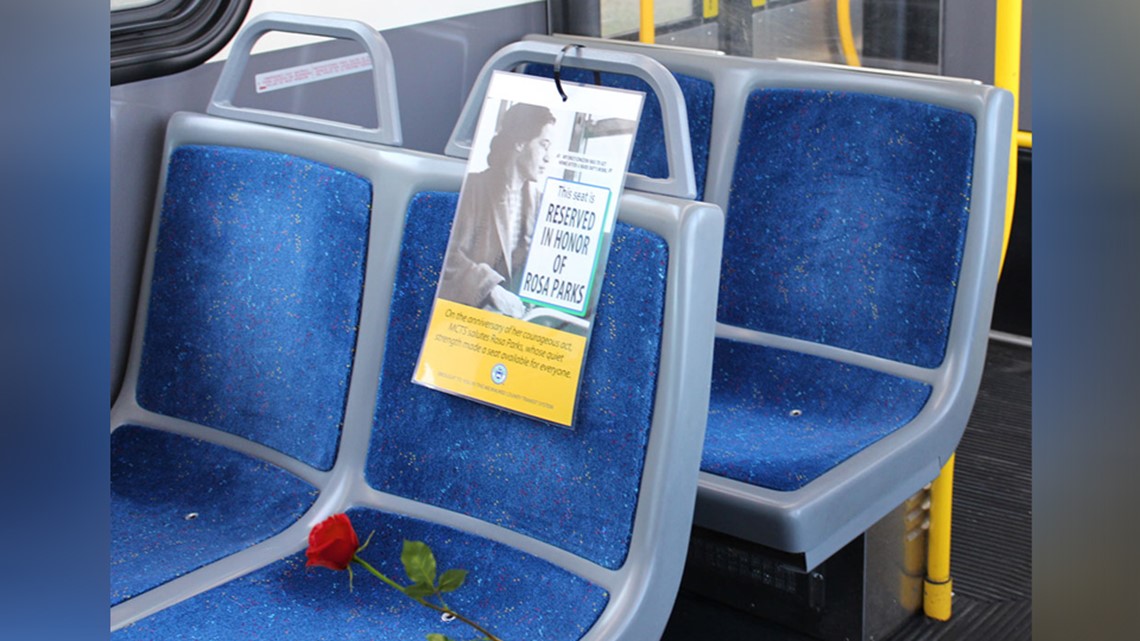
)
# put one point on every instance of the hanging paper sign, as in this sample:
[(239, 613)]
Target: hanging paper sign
[(515, 304)]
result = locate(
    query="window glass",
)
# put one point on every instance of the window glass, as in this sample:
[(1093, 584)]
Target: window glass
[(621, 17), (152, 38), (893, 34)]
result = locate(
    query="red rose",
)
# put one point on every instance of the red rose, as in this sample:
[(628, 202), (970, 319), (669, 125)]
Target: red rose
[(332, 543)]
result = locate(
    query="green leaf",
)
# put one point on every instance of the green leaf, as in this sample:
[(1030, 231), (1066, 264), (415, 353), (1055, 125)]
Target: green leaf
[(419, 562), (452, 580), (437, 637), (419, 590)]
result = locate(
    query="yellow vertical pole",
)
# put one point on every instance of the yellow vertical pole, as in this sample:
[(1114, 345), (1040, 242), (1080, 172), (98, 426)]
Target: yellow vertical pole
[(648, 33), (1007, 75), (846, 37), (937, 589)]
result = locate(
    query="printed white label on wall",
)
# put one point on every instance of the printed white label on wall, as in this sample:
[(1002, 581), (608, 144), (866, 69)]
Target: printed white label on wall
[(304, 74)]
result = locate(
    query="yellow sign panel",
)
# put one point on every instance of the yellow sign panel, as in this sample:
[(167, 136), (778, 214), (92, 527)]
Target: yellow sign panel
[(524, 367), (711, 8), (759, 3)]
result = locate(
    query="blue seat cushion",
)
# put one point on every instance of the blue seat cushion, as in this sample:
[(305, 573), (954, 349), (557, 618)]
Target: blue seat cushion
[(513, 594), (574, 488), (780, 419), (648, 156), (255, 297), (178, 503), (846, 221)]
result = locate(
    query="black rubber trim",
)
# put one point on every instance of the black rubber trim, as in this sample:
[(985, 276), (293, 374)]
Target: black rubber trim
[(148, 43)]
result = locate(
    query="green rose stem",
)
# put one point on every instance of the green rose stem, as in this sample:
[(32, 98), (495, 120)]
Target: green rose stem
[(445, 610)]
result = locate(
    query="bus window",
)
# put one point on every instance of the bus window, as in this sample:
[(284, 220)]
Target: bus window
[(151, 38), (891, 34)]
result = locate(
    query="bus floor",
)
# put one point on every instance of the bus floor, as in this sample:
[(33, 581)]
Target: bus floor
[(991, 543)]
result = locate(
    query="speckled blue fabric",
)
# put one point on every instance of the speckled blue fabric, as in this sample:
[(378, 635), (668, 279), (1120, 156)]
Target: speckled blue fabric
[(847, 220), (648, 157), (779, 419), (159, 479), (255, 299), (576, 489), (514, 595)]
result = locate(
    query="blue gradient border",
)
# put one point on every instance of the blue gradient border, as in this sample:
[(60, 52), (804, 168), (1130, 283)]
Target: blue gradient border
[(54, 347)]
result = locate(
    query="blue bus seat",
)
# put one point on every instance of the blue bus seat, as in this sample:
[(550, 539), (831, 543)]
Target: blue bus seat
[(567, 534), (235, 393), (864, 214), (586, 518)]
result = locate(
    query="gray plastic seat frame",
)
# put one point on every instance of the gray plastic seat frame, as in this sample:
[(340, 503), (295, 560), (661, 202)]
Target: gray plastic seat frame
[(642, 591), (818, 519), (384, 96)]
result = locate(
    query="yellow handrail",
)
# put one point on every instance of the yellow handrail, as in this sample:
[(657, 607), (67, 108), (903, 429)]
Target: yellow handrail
[(648, 31), (846, 38), (1007, 75), (1025, 139), (938, 588)]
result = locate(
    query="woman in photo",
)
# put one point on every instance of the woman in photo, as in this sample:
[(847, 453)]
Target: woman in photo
[(495, 219)]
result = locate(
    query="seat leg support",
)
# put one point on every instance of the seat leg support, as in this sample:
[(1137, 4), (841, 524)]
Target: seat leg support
[(865, 591), (938, 587)]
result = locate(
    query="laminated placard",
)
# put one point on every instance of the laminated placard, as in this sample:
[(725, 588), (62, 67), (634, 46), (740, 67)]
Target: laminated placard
[(514, 308)]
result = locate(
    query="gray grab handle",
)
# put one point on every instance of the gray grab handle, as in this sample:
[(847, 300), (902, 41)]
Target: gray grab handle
[(387, 131), (681, 182)]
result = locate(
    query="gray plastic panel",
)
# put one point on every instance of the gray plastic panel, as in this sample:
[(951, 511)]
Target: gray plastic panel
[(387, 131), (680, 183), (820, 518)]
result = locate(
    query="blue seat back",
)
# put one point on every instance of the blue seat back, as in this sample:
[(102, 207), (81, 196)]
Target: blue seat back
[(846, 221), (573, 488), (255, 296), (254, 278)]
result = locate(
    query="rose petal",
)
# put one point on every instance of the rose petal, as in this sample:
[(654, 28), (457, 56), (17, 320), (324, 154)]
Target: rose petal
[(332, 543)]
